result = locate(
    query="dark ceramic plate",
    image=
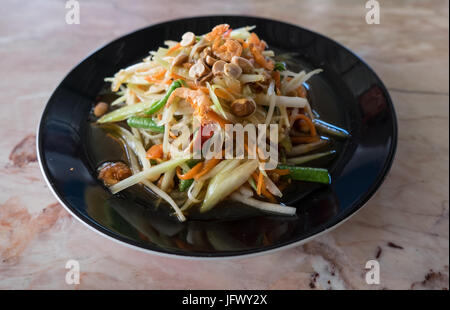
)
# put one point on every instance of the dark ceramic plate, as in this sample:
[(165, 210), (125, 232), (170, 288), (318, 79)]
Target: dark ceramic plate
[(348, 93)]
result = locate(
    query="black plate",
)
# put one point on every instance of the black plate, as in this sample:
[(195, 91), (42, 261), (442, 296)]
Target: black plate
[(348, 93)]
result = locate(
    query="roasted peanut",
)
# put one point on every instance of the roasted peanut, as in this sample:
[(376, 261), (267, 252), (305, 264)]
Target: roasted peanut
[(206, 52), (210, 60), (243, 107), (180, 59), (187, 39), (100, 109), (218, 67), (198, 70), (245, 65), (201, 81), (232, 70)]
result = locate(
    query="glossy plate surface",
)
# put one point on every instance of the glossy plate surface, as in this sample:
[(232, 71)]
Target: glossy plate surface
[(348, 93)]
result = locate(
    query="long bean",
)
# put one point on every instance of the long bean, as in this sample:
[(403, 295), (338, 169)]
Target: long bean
[(185, 184), (158, 105), (308, 174), (145, 123), (331, 129)]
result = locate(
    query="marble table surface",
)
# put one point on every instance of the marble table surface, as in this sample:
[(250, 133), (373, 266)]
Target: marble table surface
[(405, 226)]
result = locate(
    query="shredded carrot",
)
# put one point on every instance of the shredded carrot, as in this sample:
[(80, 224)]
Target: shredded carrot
[(255, 177), (156, 77), (223, 94), (213, 116), (207, 167), (156, 151), (305, 139), (268, 195), (173, 48), (257, 149), (149, 79), (301, 91), (264, 192), (276, 76), (246, 148), (236, 91), (176, 76), (312, 128), (191, 173), (260, 183), (280, 171), (204, 89), (160, 74)]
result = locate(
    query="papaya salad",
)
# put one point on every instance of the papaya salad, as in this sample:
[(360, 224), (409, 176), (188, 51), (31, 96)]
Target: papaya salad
[(226, 76)]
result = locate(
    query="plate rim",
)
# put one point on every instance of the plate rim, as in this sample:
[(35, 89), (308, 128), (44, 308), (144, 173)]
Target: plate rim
[(368, 195)]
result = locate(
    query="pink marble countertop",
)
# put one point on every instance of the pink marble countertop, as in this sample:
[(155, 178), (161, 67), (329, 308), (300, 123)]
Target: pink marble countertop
[(405, 226)]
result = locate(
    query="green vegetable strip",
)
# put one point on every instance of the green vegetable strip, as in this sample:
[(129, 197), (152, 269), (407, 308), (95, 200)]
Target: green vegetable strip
[(192, 162), (158, 105), (145, 123), (279, 66), (318, 175), (185, 184), (126, 112), (331, 129), (147, 107)]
